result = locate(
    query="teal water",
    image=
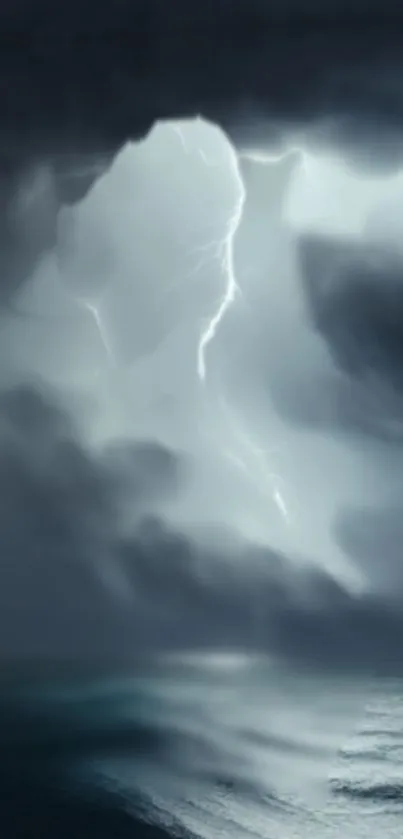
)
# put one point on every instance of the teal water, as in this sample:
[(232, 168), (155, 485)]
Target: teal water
[(208, 748)]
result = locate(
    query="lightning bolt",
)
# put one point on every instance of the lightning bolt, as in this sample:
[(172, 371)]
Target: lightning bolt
[(245, 454), (94, 311), (65, 265), (226, 251), (252, 460), (240, 447), (226, 246)]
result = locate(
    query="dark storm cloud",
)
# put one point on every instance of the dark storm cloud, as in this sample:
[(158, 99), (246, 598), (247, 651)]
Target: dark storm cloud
[(267, 605), (60, 521), (81, 79), (355, 298), (98, 74), (79, 582)]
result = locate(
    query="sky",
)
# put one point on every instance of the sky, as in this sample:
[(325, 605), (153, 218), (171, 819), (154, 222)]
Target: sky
[(231, 504)]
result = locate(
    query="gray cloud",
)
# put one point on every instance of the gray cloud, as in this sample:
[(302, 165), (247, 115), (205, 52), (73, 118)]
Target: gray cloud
[(341, 300), (60, 523), (78, 583), (266, 604), (94, 567), (373, 539), (355, 298)]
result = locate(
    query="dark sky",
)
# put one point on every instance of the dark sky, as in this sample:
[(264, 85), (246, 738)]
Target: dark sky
[(171, 510)]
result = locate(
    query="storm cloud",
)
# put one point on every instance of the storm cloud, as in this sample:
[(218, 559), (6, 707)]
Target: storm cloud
[(355, 299), (334, 71), (83, 80), (82, 581), (129, 576)]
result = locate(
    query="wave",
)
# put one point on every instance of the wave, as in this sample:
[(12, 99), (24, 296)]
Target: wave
[(373, 792), (174, 749)]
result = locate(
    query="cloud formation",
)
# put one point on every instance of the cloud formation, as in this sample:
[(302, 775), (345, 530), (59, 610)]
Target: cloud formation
[(332, 72), (372, 537), (61, 520), (80, 581), (355, 297), (98, 560), (267, 73)]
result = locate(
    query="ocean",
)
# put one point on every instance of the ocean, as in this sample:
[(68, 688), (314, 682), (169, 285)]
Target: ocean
[(216, 746)]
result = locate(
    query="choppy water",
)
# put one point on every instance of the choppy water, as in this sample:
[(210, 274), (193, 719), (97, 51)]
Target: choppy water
[(213, 748)]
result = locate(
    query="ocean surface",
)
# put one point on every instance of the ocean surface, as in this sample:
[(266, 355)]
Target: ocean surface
[(221, 746)]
